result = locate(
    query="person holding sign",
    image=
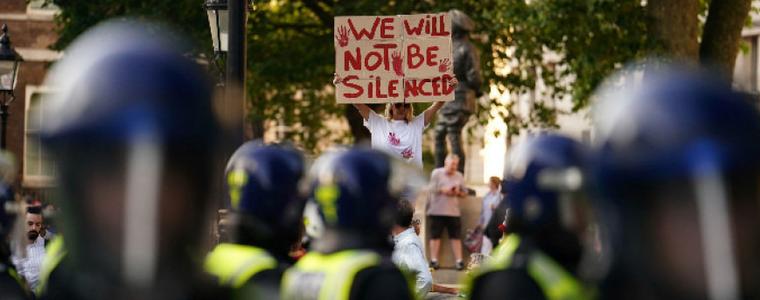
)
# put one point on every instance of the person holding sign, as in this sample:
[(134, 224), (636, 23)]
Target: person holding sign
[(400, 131), (399, 60)]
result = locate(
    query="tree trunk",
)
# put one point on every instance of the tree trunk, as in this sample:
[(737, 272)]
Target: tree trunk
[(356, 123), (675, 27), (722, 34), (255, 129)]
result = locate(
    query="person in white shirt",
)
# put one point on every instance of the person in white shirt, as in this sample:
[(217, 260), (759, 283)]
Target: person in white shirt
[(408, 253), (28, 264), (400, 131)]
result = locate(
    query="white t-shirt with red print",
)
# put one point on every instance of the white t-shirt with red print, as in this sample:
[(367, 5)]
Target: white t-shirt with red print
[(399, 138)]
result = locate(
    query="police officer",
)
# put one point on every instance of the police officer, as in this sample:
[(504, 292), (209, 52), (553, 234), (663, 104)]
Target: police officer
[(541, 255), (132, 130), (676, 175), (356, 194), (12, 286), (267, 207)]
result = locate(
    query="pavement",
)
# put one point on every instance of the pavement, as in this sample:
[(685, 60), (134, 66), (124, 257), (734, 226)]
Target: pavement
[(448, 277), (439, 296)]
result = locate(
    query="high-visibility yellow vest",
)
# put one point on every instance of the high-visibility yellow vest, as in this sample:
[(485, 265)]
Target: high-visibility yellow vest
[(555, 282), (235, 264), (326, 276), (54, 254)]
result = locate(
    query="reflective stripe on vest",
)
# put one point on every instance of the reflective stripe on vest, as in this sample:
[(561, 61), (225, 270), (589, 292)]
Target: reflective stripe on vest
[(235, 264), (54, 254), (501, 258), (318, 276), (555, 282)]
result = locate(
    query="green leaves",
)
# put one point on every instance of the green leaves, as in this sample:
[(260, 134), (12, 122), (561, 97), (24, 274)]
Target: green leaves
[(569, 46)]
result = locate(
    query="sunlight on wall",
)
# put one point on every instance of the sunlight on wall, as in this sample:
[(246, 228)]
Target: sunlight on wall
[(494, 139)]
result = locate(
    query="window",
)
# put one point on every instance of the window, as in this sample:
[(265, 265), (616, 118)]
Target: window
[(42, 6), (42, 10), (39, 167)]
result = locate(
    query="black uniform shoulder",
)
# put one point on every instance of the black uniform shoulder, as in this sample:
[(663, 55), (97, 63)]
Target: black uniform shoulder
[(263, 285), (60, 282), (381, 282), (267, 277), (513, 282), (66, 282), (10, 288), (506, 284)]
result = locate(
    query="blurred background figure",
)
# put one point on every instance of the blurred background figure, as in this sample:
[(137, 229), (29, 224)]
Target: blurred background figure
[(490, 202), (444, 211), (408, 252), (12, 285), (29, 262), (267, 209), (356, 192), (132, 131), (494, 229), (677, 173), (541, 257)]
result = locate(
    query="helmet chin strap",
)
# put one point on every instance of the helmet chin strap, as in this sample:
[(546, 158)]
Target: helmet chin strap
[(144, 159), (717, 241)]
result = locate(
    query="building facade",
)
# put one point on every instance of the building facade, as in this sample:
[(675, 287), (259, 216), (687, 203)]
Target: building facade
[(32, 31)]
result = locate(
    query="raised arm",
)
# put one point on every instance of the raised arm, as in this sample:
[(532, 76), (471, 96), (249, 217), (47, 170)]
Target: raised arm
[(431, 111), (363, 110), (361, 107)]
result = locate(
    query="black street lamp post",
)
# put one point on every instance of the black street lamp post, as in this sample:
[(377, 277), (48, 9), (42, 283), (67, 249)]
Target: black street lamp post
[(218, 16), (227, 21), (9, 64)]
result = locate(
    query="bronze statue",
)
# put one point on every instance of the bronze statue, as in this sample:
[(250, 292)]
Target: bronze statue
[(454, 115)]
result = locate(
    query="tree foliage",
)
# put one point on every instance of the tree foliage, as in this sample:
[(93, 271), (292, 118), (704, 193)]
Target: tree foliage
[(186, 16), (565, 48)]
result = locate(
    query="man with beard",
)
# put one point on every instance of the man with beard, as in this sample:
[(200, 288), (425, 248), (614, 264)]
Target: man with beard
[(30, 262)]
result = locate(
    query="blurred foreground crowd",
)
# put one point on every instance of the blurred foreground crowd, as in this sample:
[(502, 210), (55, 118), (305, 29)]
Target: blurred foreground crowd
[(664, 206)]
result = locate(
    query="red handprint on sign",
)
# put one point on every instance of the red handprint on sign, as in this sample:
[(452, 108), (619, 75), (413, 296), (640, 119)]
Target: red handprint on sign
[(444, 65), (398, 63), (337, 79), (342, 36)]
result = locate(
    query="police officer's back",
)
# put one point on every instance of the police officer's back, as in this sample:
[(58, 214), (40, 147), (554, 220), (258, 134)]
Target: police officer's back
[(676, 174), (267, 208), (132, 130), (12, 286), (351, 259), (540, 256)]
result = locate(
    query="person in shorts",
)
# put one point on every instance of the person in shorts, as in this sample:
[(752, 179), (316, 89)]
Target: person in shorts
[(446, 188)]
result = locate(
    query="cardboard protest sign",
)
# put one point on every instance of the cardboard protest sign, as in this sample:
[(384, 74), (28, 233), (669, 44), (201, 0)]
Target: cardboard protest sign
[(391, 58)]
